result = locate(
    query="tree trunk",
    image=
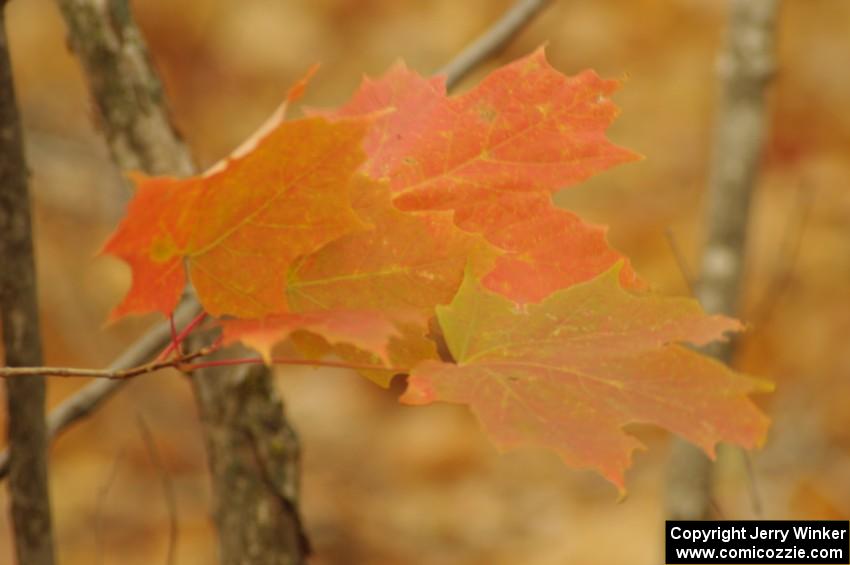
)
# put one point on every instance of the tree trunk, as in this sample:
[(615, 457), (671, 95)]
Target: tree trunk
[(253, 454), (28, 486)]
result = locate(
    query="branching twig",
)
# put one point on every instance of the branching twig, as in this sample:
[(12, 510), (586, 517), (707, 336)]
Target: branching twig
[(745, 66), (182, 363), (120, 374), (178, 338), (491, 41)]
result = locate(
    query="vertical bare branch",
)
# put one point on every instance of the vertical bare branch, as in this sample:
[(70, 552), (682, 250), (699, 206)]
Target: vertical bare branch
[(745, 66), (28, 487)]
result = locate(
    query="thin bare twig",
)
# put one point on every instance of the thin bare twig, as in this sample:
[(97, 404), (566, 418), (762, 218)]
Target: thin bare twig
[(492, 41), (102, 493), (167, 486), (120, 374), (182, 363), (745, 65), (681, 262), (789, 250)]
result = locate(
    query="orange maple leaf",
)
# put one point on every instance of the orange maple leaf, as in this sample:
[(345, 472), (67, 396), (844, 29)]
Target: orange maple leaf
[(239, 229)]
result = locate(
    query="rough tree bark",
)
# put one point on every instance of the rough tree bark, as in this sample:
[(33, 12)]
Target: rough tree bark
[(251, 447), (28, 486), (745, 65), (254, 457), (125, 87)]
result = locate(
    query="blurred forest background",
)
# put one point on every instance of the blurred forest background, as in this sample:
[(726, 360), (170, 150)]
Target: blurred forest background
[(385, 484)]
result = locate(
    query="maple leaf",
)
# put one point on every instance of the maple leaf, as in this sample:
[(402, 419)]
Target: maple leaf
[(569, 373), (239, 229), (493, 156)]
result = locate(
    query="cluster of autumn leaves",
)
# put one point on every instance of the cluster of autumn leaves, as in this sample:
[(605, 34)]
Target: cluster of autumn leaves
[(406, 219)]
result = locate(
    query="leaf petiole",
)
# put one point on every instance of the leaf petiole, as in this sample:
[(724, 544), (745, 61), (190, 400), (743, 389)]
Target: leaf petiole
[(288, 361), (177, 339)]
